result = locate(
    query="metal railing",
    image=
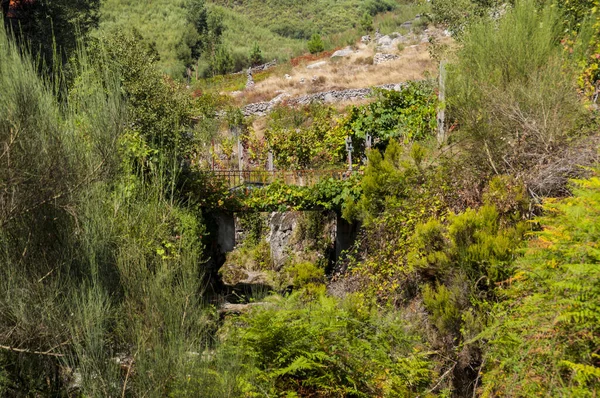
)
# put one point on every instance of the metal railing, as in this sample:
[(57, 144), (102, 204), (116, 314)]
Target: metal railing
[(235, 178)]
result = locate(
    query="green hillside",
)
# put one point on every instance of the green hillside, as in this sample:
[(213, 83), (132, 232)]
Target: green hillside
[(300, 19), (162, 22), (281, 28)]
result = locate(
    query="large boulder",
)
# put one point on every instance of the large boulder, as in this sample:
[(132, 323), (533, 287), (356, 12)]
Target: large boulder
[(344, 52), (316, 65), (384, 42), (281, 226)]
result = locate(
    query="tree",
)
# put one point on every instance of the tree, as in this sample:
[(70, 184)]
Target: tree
[(208, 27), (45, 23), (315, 44), (366, 23), (256, 57), (159, 109)]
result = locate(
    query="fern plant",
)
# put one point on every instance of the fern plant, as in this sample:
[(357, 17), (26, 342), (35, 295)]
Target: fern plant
[(546, 337)]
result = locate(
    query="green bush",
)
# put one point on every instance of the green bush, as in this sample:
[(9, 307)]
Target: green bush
[(408, 115), (305, 137), (304, 273), (445, 307), (544, 338), (256, 57), (456, 14), (366, 23), (93, 253), (323, 347), (159, 110), (514, 94), (375, 7), (315, 44)]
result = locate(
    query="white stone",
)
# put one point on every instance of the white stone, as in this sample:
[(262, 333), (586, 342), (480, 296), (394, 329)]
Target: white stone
[(279, 98), (380, 58), (344, 52), (316, 65), (384, 41)]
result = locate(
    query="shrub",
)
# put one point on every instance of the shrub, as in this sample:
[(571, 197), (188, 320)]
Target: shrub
[(94, 254), (407, 115), (366, 23), (323, 347), (445, 307), (304, 273), (453, 13), (239, 61), (256, 57), (315, 44), (512, 94), (159, 109), (375, 7), (544, 338), (221, 62), (304, 137)]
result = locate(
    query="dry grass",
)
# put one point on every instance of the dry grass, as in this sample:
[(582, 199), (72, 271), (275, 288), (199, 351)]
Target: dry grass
[(355, 71)]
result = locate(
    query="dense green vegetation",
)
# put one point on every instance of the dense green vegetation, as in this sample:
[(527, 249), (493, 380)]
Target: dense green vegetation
[(51, 28), (284, 26), (544, 339), (220, 37), (180, 31), (475, 268)]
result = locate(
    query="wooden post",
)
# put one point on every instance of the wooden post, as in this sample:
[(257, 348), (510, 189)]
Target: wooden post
[(270, 166), (368, 144), (441, 135), (349, 148), (349, 160), (212, 155), (240, 154)]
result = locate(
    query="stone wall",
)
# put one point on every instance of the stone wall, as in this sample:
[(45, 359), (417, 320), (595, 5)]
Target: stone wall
[(286, 239), (259, 68), (263, 108)]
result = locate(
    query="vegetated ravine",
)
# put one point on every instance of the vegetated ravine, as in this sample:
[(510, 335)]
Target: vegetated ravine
[(438, 238)]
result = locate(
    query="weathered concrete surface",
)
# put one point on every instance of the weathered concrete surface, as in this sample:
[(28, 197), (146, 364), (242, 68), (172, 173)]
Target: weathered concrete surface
[(225, 231), (281, 227), (345, 235)]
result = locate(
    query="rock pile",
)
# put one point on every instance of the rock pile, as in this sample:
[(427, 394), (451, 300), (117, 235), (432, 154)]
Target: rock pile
[(260, 68), (250, 81), (380, 58), (263, 108)]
